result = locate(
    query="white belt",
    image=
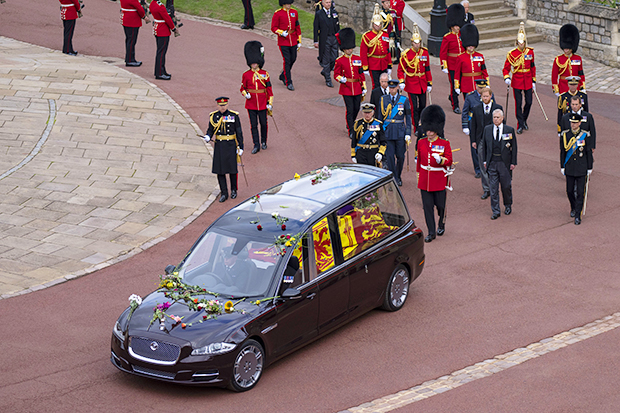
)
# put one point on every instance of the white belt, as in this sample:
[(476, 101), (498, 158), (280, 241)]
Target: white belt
[(128, 9), (159, 21), (67, 5), (432, 168)]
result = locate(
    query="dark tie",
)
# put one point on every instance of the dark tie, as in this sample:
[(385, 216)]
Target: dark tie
[(393, 100), (497, 133), (486, 109)]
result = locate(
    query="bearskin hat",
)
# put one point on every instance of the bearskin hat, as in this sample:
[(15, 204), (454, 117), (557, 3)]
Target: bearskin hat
[(433, 118), (254, 53), (455, 15), (346, 38), (569, 37), (283, 2), (469, 35)]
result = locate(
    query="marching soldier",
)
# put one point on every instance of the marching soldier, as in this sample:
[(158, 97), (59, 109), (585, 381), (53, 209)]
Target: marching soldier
[(162, 28), (256, 89), (414, 74), (225, 130), (69, 12), (396, 117), (565, 98), (248, 17), (368, 140), (374, 50), (434, 167), (451, 48), (576, 163), (470, 66), (569, 63), (132, 14), (520, 62), (285, 23), (349, 73)]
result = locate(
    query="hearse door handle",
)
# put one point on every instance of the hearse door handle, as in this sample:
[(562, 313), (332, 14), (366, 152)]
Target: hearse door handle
[(310, 296)]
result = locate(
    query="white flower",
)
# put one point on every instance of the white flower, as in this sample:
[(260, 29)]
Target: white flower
[(135, 299), (274, 214)]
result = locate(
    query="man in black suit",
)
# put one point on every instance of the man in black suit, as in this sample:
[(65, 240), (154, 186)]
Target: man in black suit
[(469, 18), (499, 145), (481, 116), (587, 121), (382, 89), (326, 25)]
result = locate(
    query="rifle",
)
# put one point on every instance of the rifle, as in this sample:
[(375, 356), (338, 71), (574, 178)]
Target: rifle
[(172, 14), (147, 12)]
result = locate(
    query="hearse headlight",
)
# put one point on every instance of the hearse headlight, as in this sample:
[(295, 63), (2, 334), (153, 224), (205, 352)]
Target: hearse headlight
[(213, 348), (118, 331)]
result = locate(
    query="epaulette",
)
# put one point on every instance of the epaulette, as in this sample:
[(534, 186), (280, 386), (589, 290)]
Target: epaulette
[(233, 112), (424, 48), (213, 113)]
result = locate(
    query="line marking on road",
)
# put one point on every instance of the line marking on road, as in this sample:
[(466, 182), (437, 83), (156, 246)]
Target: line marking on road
[(487, 367)]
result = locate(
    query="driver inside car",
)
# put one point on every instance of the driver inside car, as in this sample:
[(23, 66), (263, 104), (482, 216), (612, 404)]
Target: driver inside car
[(235, 270)]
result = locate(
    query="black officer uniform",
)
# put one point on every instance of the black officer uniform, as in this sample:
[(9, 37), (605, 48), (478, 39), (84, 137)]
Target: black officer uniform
[(367, 138), (395, 113), (225, 130), (576, 162), (565, 98)]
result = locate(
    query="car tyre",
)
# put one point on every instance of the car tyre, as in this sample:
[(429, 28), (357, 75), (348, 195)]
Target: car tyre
[(248, 366), (397, 289)]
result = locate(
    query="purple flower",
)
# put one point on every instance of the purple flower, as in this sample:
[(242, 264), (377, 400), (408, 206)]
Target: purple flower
[(163, 306)]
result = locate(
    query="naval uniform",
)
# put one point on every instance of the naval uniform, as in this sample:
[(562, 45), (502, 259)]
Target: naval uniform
[(68, 14), (367, 140), (225, 130), (576, 159), (395, 113), (564, 104)]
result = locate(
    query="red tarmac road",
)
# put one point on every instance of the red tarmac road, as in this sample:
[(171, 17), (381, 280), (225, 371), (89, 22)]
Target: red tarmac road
[(488, 287)]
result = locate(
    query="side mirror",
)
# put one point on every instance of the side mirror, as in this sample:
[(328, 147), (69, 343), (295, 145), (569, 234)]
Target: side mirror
[(169, 269), (291, 293)]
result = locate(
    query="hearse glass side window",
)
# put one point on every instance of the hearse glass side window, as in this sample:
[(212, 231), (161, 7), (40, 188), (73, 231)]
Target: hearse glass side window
[(370, 218)]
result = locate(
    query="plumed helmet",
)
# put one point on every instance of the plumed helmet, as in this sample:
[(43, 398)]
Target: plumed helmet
[(433, 118), (346, 38), (569, 37), (455, 15), (376, 16), (521, 38), (254, 53), (283, 2), (469, 35), (415, 34)]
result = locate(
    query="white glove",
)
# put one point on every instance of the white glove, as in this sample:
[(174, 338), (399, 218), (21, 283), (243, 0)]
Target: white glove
[(584, 90), (557, 95), (354, 160), (284, 33), (401, 86), (298, 46), (407, 138), (363, 92), (445, 71), (398, 45), (206, 138), (247, 95), (428, 89), (466, 131), (562, 170), (458, 91), (507, 80), (239, 151), (343, 79), (389, 72), (534, 87), (366, 72), (269, 106), (589, 172), (378, 157), (437, 157)]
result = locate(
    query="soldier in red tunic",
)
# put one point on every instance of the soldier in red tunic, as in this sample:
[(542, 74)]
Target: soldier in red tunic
[(520, 62), (69, 12), (414, 74), (132, 14), (285, 23), (451, 48), (162, 27), (398, 6), (569, 63), (433, 168), (470, 65), (256, 89), (374, 50), (349, 73)]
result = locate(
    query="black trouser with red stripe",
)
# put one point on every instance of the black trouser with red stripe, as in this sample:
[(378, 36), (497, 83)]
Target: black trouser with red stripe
[(418, 102), (248, 19), (221, 179), (255, 117), (160, 57), (131, 37), (67, 44), (453, 97), (289, 54), (430, 200), (522, 114), (375, 75), (352, 103)]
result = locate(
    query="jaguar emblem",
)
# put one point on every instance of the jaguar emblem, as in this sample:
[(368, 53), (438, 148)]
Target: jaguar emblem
[(154, 346)]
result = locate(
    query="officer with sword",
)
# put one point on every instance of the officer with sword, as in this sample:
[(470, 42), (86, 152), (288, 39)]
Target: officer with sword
[(395, 113), (368, 140)]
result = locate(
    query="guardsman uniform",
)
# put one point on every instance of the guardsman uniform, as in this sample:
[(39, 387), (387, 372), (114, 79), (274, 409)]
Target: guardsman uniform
[(520, 62), (375, 50), (256, 89), (470, 66), (69, 12), (368, 140), (570, 64), (433, 168), (248, 18), (576, 164), (451, 48), (132, 14), (414, 74), (395, 113), (285, 23), (398, 6), (225, 130), (349, 73), (162, 28)]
